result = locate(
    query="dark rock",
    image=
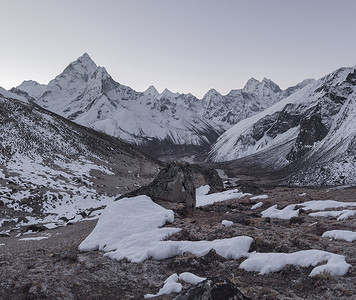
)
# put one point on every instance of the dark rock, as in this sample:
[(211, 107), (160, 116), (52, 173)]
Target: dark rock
[(311, 130), (35, 228), (2, 203), (296, 220), (213, 288), (177, 183), (247, 187)]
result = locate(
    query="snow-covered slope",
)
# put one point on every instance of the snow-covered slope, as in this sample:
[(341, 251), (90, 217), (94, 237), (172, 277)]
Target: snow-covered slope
[(315, 126), (86, 94), (53, 168)]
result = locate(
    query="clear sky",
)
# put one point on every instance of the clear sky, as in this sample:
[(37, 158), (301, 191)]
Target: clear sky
[(184, 45)]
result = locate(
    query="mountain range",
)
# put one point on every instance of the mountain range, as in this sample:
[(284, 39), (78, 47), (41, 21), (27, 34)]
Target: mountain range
[(305, 132), (88, 95), (310, 134)]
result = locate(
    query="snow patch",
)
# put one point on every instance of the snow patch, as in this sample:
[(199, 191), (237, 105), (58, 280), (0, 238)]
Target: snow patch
[(130, 228), (257, 205), (259, 197), (171, 284), (227, 223), (38, 238), (266, 263), (346, 235), (203, 200), (289, 211)]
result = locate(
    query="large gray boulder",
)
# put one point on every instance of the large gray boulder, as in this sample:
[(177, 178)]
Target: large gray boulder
[(177, 183)]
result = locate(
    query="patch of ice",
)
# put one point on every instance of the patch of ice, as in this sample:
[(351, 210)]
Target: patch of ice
[(227, 223), (130, 228), (266, 263), (259, 197), (302, 194), (345, 235), (257, 205), (203, 200)]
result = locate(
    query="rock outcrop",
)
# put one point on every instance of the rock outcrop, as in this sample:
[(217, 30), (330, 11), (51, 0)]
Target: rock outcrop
[(177, 183)]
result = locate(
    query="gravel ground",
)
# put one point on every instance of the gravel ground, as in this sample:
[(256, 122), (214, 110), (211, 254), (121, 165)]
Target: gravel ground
[(53, 268)]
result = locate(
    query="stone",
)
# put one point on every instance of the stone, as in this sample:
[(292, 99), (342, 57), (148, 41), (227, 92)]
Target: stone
[(177, 183), (214, 288)]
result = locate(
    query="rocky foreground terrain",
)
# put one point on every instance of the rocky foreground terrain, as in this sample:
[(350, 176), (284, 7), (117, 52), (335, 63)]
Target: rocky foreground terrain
[(53, 268)]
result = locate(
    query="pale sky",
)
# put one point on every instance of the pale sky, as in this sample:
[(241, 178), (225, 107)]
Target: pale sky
[(183, 45)]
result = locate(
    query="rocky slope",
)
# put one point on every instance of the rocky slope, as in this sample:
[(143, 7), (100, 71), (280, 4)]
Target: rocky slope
[(53, 268), (311, 132), (86, 94), (52, 168)]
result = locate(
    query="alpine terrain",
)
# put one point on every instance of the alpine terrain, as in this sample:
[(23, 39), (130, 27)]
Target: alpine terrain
[(84, 214), (87, 95), (54, 171), (310, 135)]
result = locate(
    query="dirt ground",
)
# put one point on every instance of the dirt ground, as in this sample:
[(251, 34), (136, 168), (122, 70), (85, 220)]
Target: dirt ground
[(53, 268)]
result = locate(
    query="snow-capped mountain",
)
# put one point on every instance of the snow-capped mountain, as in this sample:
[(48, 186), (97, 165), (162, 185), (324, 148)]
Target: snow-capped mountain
[(256, 96), (313, 129), (86, 94), (54, 168)]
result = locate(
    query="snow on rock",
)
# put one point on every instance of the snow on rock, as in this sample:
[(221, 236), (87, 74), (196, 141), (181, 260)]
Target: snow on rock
[(345, 235), (203, 200), (259, 197), (130, 228), (227, 223), (257, 205), (266, 263), (171, 285), (191, 278)]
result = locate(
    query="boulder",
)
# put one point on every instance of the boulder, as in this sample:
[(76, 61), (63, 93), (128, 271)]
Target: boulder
[(214, 288), (177, 183)]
